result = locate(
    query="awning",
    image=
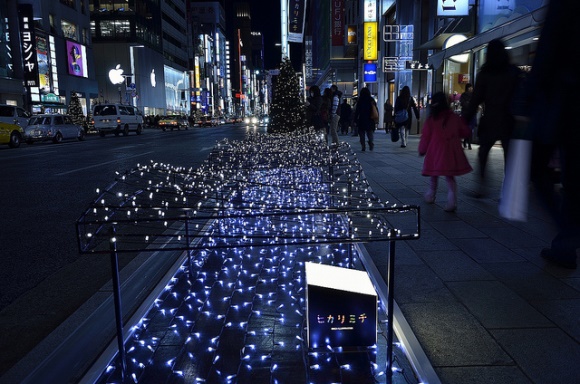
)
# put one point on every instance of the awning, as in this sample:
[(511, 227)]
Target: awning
[(524, 24), (460, 25)]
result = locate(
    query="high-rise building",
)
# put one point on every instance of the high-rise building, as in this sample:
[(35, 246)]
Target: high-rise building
[(46, 54)]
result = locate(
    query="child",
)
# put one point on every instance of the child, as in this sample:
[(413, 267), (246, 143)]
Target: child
[(441, 145)]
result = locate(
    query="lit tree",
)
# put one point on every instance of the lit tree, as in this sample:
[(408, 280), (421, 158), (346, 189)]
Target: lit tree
[(287, 109), (75, 110)]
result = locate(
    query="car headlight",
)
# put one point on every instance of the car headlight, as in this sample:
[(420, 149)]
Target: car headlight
[(247, 120), (254, 120)]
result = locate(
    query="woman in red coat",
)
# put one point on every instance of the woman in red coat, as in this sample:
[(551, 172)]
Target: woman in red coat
[(441, 145)]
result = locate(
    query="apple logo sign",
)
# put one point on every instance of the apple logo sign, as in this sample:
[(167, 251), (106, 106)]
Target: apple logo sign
[(153, 81), (116, 75)]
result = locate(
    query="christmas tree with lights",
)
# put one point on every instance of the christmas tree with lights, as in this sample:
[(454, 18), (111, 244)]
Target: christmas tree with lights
[(287, 110), (75, 110)]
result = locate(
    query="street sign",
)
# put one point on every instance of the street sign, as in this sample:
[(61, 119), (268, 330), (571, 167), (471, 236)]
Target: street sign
[(391, 64), (417, 66)]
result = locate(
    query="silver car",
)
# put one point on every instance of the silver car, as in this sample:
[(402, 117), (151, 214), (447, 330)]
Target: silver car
[(55, 127)]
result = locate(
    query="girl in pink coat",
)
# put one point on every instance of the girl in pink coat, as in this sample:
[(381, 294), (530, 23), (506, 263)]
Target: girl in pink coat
[(440, 143)]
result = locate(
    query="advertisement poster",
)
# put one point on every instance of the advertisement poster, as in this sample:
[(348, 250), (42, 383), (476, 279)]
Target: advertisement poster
[(76, 59), (43, 66)]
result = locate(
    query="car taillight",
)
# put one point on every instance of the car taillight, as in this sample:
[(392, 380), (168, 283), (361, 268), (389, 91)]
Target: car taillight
[(118, 120)]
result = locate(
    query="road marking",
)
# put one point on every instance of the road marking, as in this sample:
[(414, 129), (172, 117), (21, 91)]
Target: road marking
[(101, 164)]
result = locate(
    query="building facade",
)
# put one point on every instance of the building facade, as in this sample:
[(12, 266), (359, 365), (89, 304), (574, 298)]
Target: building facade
[(46, 54)]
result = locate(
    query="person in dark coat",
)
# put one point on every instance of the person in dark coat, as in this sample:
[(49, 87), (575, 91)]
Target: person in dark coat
[(495, 87), (388, 115), (464, 101), (553, 89), (313, 111), (405, 102), (362, 118), (345, 117), (441, 145)]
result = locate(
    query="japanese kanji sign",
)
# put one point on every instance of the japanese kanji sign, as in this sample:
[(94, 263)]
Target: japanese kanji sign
[(28, 43)]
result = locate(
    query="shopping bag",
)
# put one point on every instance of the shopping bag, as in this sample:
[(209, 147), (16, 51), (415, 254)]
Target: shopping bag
[(515, 189), (394, 134)]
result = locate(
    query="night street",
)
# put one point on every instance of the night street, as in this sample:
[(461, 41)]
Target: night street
[(45, 188)]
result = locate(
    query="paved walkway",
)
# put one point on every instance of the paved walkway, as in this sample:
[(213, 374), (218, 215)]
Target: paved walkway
[(482, 302)]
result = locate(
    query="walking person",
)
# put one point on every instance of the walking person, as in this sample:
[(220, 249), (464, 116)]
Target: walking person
[(464, 101), (335, 113), (388, 115), (363, 118), (325, 110), (345, 117), (554, 98), (495, 86), (440, 143), (404, 105), (314, 109)]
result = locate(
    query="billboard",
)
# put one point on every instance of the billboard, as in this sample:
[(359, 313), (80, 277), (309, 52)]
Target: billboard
[(370, 41), (76, 59)]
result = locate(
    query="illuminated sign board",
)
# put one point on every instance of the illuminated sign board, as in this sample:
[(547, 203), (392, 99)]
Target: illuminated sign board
[(341, 307), (28, 42), (370, 73), (452, 8), (76, 59), (296, 16), (337, 19), (418, 66), (370, 41), (370, 10), (351, 35)]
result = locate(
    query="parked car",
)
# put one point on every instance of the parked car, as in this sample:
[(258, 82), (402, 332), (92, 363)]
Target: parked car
[(11, 134), (117, 119), (12, 114), (54, 127), (174, 121)]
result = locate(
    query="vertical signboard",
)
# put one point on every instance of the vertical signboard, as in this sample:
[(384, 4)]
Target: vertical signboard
[(370, 73), (370, 11), (43, 63), (28, 43), (370, 41), (337, 25), (296, 16), (308, 58)]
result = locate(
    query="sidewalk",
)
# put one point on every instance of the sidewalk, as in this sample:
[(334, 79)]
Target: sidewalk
[(481, 301)]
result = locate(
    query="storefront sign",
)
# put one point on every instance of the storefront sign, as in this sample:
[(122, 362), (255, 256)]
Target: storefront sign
[(418, 66), (370, 10), (370, 41), (337, 26), (296, 16), (76, 59), (28, 41), (453, 8), (370, 73), (341, 307), (351, 37)]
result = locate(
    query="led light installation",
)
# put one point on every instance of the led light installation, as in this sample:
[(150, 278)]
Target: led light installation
[(249, 218)]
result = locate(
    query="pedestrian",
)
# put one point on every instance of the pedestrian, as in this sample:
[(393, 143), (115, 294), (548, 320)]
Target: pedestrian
[(495, 86), (354, 127), (363, 119), (314, 108), (388, 115), (554, 98), (335, 113), (464, 101), (345, 117), (404, 104), (440, 143), (325, 110)]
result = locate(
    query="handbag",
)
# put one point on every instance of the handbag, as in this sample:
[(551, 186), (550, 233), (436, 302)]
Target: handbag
[(401, 116), (514, 193), (374, 113)]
